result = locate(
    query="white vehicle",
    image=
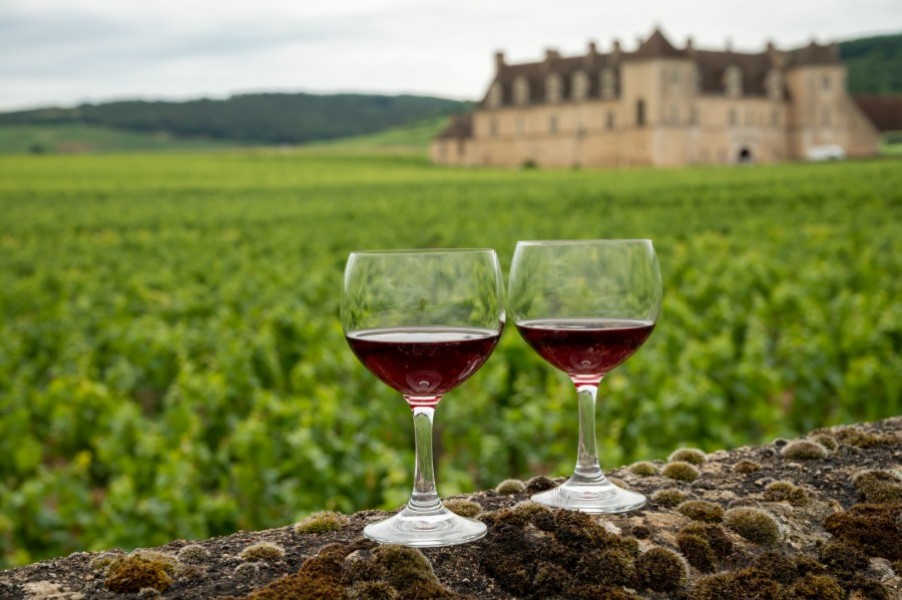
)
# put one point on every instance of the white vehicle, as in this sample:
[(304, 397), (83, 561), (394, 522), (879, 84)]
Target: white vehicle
[(826, 152)]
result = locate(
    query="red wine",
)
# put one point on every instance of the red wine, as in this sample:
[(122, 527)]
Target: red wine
[(585, 348), (423, 362)]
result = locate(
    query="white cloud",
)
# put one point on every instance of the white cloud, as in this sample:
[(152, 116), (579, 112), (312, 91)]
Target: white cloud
[(68, 51)]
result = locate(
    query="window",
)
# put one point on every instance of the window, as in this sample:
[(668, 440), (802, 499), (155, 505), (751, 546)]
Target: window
[(519, 125), (610, 120), (494, 99), (674, 114), (553, 88), (608, 84), (731, 117), (580, 86), (552, 124), (733, 81), (693, 115), (774, 85), (521, 91), (825, 83), (775, 118), (493, 128), (825, 115), (640, 113), (749, 116)]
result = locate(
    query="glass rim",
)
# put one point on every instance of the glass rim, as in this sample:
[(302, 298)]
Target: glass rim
[(390, 251), (573, 242)]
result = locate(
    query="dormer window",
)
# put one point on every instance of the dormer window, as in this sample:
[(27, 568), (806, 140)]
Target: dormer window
[(521, 91), (733, 81), (494, 98), (608, 84), (580, 85), (774, 85), (554, 88)]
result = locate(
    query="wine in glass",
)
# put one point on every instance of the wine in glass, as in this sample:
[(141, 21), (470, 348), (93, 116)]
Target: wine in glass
[(585, 306), (423, 321)]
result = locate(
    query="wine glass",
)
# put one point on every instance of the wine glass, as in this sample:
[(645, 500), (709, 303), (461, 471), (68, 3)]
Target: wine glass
[(423, 321), (585, 306)]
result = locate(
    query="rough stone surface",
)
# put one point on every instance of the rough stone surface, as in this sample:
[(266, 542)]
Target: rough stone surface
[(531, 552)]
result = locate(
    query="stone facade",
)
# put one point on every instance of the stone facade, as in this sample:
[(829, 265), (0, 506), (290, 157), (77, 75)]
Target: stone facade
[(661, 106)]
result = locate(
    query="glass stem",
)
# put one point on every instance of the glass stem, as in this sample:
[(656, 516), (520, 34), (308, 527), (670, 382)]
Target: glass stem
[(588, 471), (424, 499)]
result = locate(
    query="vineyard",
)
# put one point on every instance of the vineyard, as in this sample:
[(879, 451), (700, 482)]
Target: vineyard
[(172, 365)]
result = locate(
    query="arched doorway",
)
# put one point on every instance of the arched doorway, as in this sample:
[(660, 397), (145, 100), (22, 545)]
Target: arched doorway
[(745, 155)]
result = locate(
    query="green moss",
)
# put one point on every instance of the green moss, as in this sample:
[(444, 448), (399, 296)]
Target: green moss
[(102, 561), (698, 552), (753, 524), (579, 530), (141, 569), (410, 572), (643, 469), (372, 590), (611, 566), (777, 565), (193, 554), (690, 455), (786, 491), (464, 508), (878, 487), (510, 486), (745, 583), (600, 592), (874, 528), (322, 522), (264, 551), (669, 497), (897, 567), (842, 559), (149, 592), (550, 579), (681, 471), (827, 441), (186, 571), (746, 466), (866, 589), (540, 483), (861, 438), (661, 570), (803, 450), (319, 577), (699, 510), (717, 538), (815, 587)]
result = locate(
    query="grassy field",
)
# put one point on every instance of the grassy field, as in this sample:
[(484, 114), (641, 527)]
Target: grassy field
[(171, 362), (81, 139)]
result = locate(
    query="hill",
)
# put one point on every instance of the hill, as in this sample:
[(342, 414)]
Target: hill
[(80, 139), (255, 118), (874, 64)]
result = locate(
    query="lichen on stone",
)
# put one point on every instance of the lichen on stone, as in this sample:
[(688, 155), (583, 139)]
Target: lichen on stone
[(753, 524), (803, 450), (681, 471), (322, 522), (690, 455)]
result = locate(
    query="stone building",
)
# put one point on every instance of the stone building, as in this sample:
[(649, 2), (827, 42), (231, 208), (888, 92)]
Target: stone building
[(664, 106)]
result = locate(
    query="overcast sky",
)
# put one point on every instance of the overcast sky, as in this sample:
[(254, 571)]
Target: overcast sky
[(65, 52)]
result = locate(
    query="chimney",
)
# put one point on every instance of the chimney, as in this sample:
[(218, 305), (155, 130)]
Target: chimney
[(615, 50), (834, 49), (551, 53), (593, 49), (690, 44), (499, 61)]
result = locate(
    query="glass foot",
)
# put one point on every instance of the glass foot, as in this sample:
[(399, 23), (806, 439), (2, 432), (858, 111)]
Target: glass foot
[(439, 528), (596, 497)]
